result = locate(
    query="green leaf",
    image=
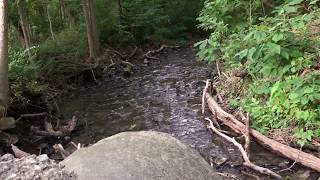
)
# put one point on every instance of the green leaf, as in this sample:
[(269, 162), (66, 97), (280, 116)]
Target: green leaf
[(251, 53), (242, 54), (295, 2), (274, 48), (277, 37), (293, 96), (285, 54)]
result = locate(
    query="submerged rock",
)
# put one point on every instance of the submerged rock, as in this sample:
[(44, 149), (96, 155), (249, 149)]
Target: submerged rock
[(32, 167), (139, 155)]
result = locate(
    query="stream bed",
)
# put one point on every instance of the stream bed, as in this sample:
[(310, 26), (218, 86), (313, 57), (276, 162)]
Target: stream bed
[(163, 96)]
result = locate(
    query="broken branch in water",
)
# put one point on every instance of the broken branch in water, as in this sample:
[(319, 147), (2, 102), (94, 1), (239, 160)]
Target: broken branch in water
[(246, 159), (69, 150), (149, 54), (229, 120), (51, 132)]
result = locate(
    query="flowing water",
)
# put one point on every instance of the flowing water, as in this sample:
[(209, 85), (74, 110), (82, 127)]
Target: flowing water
[(165, 96)]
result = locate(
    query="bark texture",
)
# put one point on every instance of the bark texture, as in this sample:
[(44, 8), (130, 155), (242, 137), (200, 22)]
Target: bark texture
[(4, 85), (91, 24)]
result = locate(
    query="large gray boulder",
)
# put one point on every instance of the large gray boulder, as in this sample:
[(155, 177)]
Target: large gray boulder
[(145, 155)]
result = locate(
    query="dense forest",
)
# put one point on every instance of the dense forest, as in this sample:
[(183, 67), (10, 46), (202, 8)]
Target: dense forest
[(263, 60)]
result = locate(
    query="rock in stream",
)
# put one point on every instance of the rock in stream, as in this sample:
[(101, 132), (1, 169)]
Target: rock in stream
[(137, 156)]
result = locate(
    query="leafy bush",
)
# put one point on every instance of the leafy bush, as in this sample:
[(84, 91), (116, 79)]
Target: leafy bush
[(160, 20), (71, 43), (280, 51), (20, 66), (60, 55)]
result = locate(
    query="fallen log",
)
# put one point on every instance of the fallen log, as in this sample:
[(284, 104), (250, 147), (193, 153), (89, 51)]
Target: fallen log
[(229, 120)]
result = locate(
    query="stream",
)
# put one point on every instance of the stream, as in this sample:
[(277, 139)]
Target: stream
[(164, 96)]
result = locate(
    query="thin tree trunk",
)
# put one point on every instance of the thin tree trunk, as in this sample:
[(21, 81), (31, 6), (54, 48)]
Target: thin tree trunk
[(24, 25), (91, 24), (120, 8), (50, 22), (4, 84), (66, 14)]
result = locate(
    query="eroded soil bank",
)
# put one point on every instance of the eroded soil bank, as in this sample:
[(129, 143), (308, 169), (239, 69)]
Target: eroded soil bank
[(163, 96)]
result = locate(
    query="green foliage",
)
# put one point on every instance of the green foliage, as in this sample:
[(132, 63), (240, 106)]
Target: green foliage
[(20, 66), (276, 48), (160, 20), (70, 43), (68, 46)]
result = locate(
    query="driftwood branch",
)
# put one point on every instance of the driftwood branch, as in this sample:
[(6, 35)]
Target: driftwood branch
[(246, 159), (229, 120), (150, 54), (125, 57), (51, 132), (66, 152)]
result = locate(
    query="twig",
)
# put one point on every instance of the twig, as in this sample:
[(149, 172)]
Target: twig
[(128, 63), (294, 163), (32, 115), (218, 69), (215, 122), (225, 75), (208, 82), (93, 75), (132, 53), (245, 157), (246, 120), (219, 96)]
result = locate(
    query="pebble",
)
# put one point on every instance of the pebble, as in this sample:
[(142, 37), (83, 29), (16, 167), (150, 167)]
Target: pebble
[(32, 167)]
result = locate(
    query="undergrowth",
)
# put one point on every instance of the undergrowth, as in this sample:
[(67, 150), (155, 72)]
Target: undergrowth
[(278, 46)]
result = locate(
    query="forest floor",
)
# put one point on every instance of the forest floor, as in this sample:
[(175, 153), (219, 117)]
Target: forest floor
[(163, 94)]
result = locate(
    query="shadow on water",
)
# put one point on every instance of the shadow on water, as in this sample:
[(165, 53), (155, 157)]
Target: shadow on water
[(165, 96)]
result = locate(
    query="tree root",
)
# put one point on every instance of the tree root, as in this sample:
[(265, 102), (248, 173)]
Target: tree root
[(51, 132), (244, 154)]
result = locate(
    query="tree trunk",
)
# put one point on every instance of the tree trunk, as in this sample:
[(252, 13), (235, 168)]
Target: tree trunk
[(91, 24), (66, 14), (24, 25), (50, 22), (120, 8), (4, 85)]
